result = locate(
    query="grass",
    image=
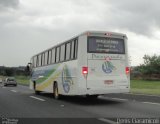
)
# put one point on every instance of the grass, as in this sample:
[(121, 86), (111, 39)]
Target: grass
[(145, 87), (24, 80)]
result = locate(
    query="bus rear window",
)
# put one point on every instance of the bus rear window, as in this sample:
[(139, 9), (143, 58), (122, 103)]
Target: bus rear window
[(105, 45)]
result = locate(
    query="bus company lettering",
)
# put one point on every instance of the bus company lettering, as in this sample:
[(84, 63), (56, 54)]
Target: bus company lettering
[(112, 57)]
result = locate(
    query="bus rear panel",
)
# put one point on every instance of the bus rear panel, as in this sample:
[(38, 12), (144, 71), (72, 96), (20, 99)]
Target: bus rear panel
[(103, 59)]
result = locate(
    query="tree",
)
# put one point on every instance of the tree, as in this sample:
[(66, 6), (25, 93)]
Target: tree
[(151, 64), (9, 72), (151, 67)]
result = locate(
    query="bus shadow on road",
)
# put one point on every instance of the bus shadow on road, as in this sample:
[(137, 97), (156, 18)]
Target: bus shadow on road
[(82, 100), (88, 101)]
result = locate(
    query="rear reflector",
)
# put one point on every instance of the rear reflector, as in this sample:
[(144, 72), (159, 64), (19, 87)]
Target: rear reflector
[(108, 34), (84, 70), (127, 70)]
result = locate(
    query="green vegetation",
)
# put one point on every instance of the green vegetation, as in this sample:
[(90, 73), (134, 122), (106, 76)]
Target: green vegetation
[(12, 71), (2, 77), (145, 78), (24, 80), (145, 87), (150, 70)]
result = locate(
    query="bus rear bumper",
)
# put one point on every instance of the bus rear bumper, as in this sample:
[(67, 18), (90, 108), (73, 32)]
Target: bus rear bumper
[(105, 91)]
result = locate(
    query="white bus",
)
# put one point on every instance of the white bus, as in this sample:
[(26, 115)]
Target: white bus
[(92, 63)]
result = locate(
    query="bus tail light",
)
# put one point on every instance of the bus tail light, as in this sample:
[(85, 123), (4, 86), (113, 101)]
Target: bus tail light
[(127, 70), (84, 70)]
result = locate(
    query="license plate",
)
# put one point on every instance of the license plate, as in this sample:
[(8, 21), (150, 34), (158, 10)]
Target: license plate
[(108, 82)]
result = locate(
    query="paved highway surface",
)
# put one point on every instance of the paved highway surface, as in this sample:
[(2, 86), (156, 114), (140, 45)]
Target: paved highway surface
[(21, 102)]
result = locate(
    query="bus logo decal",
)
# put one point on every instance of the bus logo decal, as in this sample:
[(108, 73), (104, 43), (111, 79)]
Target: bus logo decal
[(66, 79), (107, 66)]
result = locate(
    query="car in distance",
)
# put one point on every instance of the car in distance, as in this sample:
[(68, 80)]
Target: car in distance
[(10, 81)]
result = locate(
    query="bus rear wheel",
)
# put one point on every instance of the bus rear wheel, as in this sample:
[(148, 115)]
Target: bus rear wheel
[(34, 86), (37, 92), (92, 96), (55, 91)]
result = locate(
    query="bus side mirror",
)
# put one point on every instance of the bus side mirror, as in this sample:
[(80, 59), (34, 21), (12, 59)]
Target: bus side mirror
[(28, 68)]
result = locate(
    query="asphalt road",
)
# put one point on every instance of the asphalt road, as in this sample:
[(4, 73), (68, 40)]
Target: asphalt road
[(21, 102)]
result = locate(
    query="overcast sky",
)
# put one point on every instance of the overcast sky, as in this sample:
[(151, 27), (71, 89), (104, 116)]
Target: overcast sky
[(30, 26)]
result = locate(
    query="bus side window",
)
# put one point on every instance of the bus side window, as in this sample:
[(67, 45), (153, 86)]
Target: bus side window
[(74, 49), (39, 60), (43, 58), (68, 50), (57, 54), (62, 54), (46, 58), (49, 56), (35, 61), (53, 55)]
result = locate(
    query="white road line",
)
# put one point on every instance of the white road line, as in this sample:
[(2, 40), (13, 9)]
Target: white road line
[(37, 98), (151, 103), (107, 121), (141, 94), (119, 99), (14, 91), (113, 98)]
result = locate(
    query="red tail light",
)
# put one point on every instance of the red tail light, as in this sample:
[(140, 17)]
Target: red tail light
[(127, 70), (84, 70)]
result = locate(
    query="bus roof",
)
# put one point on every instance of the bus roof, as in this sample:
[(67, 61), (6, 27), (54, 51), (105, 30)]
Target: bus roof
[(103, 32)]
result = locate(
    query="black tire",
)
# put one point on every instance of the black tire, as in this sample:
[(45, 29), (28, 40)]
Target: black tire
[(55, 91), (35, 91), (92, 96)]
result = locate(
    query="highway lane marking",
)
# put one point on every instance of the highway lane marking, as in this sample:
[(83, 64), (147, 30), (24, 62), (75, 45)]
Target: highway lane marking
[(119, 99), (14, 91), (107, 121), (140, 94), (37, 98), (151, 103), (113, 98)]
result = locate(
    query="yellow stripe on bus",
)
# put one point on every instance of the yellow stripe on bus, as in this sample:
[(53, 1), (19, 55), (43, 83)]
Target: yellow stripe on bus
[(46, 84)]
